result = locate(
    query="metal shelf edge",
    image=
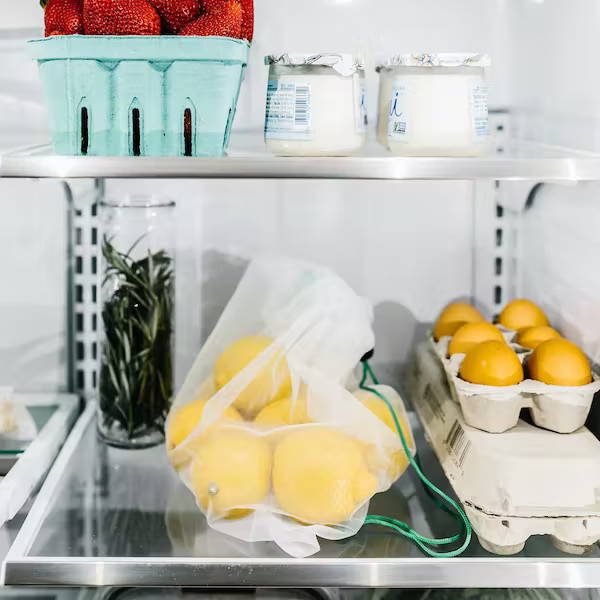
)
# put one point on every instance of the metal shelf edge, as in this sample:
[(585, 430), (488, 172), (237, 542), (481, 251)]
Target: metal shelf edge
[(385, 573), (352, 168)]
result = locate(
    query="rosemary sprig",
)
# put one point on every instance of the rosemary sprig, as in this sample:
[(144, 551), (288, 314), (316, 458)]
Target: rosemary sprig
[(136, 374)]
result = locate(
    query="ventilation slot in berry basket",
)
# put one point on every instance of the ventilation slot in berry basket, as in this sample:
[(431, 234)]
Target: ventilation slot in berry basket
[(135, 128), (228, 127), (189, 122), (84, 128)]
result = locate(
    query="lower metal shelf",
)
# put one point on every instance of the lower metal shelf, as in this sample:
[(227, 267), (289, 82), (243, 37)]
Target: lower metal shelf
[(109, 517)]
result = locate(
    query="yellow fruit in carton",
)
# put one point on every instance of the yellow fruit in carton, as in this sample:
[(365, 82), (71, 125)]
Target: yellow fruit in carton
[(522, 313), (454, 316), (469, 335), (271, 383), (231, 469), (559, 362), (532, 337), (183, 422), (284, 412), (398, 460), (320, 475), (492, 363)]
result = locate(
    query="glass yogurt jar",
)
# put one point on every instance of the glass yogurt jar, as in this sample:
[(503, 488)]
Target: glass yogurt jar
[(437, 104), (386, 80), (315, 105)]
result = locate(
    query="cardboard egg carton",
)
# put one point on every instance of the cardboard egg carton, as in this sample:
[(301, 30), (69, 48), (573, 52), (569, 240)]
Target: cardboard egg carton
[(496, 409), (527, 482)]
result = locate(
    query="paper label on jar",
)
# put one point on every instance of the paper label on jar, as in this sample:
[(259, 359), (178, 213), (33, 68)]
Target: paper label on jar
[(288, 115), (360, 98), (479, 103), (399, 122)]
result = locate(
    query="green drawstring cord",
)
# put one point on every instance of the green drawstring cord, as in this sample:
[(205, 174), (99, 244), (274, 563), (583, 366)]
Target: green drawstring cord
[(451, 507)]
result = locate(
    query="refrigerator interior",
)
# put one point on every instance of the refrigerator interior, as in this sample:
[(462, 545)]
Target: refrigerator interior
[(410, 247)]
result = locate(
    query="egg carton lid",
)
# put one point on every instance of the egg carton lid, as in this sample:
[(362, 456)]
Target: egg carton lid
[(525, 472), (344, 64), (448, 59)]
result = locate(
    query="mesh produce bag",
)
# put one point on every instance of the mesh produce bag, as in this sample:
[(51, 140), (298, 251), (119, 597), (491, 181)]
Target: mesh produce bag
[(266, 431)]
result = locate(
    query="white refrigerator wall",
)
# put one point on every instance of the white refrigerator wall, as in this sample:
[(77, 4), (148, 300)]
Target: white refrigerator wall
[(33, 269), (555, 99), (555, 91)]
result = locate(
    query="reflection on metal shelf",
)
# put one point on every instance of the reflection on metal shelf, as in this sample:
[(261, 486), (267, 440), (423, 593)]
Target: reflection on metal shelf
[(122, 518), (248, 160), (53, 415)]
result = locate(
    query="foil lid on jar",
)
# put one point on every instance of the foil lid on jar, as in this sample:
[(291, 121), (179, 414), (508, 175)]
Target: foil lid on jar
[(449, 59), (344, 64)]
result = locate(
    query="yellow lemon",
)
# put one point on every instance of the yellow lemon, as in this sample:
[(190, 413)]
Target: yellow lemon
[(183, 422), (398, 460), (492, 363), (532, 337), (284, 412), (187, 418), (559, 362), (522, 313), (232, 468), (454, 316), (271, 383), (320, 475), (469, 335)]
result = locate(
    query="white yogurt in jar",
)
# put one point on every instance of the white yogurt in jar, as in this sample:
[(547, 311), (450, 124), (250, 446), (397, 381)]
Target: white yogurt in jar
[(437, 105), (315, 105)]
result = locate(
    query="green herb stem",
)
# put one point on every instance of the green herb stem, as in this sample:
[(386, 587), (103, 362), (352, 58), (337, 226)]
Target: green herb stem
[(136, 374)]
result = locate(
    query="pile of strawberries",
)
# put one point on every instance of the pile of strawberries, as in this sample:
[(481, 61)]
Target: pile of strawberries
[(230, 18)]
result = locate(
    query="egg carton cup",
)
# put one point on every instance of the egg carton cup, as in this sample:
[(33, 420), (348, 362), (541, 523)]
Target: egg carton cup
[(525, 483), (495, 409), (440, 349), (506, 536), (510, 335)]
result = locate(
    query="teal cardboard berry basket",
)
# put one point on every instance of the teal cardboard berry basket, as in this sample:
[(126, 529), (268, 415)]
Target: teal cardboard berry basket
[(141, 95)]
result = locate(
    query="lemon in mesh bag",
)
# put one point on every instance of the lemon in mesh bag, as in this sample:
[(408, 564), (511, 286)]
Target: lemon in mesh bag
[(272, 383), (391, 458), (286, 411), (320, 475), (186, 419), (231, 469)]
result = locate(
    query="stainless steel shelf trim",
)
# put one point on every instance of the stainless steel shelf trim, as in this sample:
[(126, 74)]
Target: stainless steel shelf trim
[(386, 573)]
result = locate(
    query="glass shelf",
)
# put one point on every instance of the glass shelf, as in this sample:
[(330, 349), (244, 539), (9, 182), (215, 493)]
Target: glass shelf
[(519, 161), (113, 517)]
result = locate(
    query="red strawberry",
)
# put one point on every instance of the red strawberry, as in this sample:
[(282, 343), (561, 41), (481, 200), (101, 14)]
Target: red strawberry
[(120, 17), (248, 20), (215, 6), (225, 22), (176, 13), (63, 17)]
